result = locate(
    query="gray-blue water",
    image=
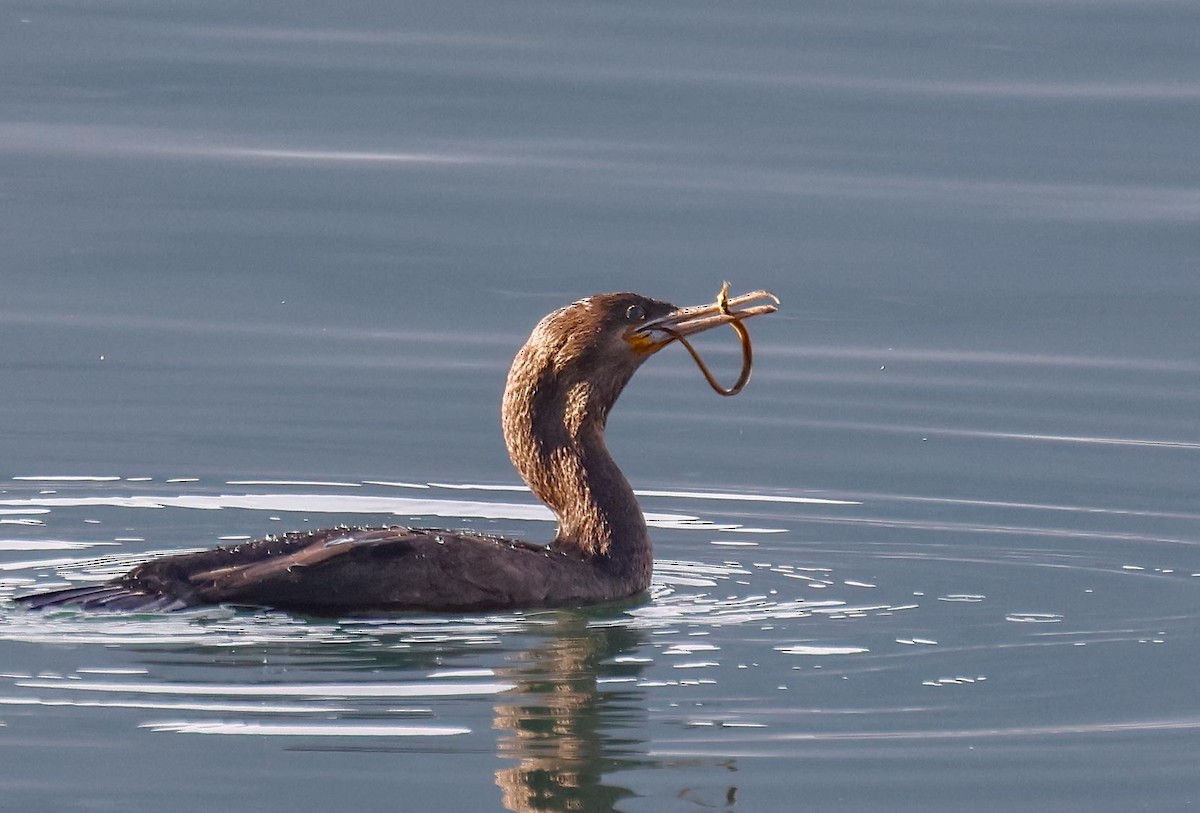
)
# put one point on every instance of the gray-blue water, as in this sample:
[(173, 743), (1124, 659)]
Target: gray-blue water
[(264, 266)]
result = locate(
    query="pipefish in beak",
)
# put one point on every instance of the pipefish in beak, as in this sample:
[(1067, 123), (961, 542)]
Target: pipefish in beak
[(734, 320)]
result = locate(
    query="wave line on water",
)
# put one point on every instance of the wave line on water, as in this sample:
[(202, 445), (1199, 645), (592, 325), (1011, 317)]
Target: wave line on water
[(1115, 727), (1018, 504), (1103, 441), (976, 357), (314, 483), (941, 431), (237, 708), (67, 478), (730, 496), (329, 156), (992, 528), (50, 544), (333, 690), (302, 729), (359, 504), (735, 497), (820, 650)]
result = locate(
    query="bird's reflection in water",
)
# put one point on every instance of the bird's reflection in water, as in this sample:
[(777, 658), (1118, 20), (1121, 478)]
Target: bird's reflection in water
[(567, 729)]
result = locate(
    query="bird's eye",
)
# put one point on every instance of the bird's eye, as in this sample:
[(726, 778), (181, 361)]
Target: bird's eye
[(635, 313)]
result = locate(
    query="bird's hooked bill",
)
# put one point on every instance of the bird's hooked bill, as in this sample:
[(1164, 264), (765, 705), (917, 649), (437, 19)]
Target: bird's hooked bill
[(655, 334)]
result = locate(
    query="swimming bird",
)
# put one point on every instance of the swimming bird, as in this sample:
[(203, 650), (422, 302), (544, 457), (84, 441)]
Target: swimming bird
[(560, 389)]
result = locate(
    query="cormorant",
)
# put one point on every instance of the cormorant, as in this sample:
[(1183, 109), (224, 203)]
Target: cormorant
[(560, 389)]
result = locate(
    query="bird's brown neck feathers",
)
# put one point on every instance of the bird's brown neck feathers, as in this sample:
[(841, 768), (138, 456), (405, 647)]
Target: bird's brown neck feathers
[(555, 408)]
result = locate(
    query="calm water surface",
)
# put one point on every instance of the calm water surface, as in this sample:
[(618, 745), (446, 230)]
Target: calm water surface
[(265, 266)]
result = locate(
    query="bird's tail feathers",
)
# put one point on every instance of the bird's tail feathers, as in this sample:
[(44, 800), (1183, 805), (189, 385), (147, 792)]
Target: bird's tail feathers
[(106, 596)]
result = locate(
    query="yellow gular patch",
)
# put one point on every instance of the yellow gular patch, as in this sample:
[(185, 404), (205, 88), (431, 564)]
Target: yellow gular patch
[(642, 343)]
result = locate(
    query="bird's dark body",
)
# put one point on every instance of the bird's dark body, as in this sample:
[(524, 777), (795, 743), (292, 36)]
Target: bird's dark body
[(562, 384), (342, 571)]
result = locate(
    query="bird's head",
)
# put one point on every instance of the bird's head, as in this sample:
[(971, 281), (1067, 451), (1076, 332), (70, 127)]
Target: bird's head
[(616, 333)]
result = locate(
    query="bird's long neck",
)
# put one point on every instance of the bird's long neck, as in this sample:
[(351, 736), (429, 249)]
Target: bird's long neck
[(554, 417)]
